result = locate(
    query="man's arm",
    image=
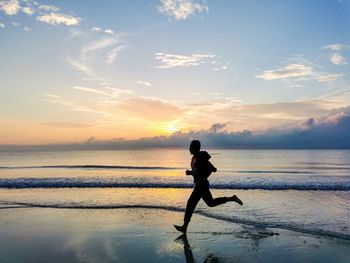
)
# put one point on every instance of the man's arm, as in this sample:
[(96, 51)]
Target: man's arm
[(189, 172), (212, 167)]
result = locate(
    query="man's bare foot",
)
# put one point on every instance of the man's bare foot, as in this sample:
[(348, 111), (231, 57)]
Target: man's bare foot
[(235, 198), (182, 229)]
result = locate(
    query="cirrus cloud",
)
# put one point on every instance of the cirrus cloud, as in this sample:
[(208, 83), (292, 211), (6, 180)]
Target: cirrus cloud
[(335, 47), (297, 72), (145, 83), (89, 57), (67, 125), (112, 55), (173, 60), (328, 77), (152, 109), (291, 70)]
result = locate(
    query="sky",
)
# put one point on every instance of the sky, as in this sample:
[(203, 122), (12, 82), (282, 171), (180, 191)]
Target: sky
[(82, 71)]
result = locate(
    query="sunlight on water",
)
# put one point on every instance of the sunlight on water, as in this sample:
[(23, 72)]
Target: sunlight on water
[(155, 178)]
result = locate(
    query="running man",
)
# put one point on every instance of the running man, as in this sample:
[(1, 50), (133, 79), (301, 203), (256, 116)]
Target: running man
[(201, 169)]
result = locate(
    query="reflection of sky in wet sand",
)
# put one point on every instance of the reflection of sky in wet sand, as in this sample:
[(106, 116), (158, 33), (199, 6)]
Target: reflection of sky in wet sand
[(138, 235), (304, 209)]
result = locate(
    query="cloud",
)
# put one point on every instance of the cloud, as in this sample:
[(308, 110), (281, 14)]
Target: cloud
[(27, 29), (121, 104), (57, 19), (224, 67), (217, 127), (145, 83), (331, 132), (2, 25), (298, 72), (289, 71), (338, 97), (81, 66), (11, 7), (254, 117), (328, 77), (76, 33), (96, 46), (235, 124), (57, 99), (91, 90), (49, 8), (67, 125), (181, 9), (96, 29), (171, 60), (106, 91), (72, 104), (28, 10), (112, 55), (90, 55), (109, 31), (150, 108), (338, 59), (52, 96), (335, 47)]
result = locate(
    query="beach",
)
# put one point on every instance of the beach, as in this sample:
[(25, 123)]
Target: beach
[(146, 235), (124, 124), (120, 206)]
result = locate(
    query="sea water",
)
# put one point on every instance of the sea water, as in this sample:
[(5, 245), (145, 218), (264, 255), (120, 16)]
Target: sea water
[(306, 191)]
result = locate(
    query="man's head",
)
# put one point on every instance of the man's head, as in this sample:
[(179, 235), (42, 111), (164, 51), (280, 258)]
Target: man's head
[(195, 147)]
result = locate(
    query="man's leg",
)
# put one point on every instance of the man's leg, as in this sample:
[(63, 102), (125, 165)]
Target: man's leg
[(191, 205), (210, 201)]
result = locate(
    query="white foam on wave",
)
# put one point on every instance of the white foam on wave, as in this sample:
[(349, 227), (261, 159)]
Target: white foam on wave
[(82, 182)]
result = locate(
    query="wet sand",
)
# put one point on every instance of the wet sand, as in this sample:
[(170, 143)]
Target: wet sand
[(146, 235)]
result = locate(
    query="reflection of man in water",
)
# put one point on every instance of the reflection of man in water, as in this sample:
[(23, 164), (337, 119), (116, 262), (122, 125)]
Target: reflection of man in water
[(189, 255), (201, 169)]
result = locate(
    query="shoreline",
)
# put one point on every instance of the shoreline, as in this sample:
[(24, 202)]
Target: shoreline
[(249, 223), (63, 234)]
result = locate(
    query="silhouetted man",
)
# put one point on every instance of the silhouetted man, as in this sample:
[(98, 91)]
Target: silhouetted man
[(201, 170)]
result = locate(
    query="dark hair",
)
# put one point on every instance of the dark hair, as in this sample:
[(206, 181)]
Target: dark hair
[(196, 143)]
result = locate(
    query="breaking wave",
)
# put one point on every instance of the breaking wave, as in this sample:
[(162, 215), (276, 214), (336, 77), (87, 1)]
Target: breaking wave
[(82, 182)]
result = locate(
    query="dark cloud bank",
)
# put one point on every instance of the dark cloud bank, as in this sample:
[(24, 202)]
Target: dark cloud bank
[(330, 132)]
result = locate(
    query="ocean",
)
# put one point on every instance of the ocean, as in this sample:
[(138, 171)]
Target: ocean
[(306, 191)]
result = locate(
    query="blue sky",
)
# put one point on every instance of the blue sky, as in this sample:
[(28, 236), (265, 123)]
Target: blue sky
[(129, 69)]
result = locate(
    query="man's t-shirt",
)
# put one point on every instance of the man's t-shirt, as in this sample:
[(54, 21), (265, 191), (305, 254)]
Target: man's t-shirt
[(201, 167)]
